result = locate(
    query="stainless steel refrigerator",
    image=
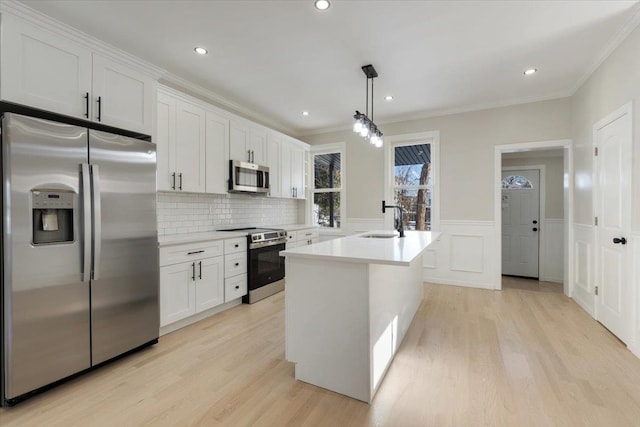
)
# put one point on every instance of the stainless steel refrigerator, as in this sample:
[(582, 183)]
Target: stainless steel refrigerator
[(79, 250)]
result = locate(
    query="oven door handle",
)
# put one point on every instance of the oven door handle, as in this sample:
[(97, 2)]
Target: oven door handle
[(267, 244)]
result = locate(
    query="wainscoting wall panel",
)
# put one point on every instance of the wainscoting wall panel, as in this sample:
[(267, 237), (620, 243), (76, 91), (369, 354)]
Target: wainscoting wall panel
[(552, 250), (583, 268), (464, 255)]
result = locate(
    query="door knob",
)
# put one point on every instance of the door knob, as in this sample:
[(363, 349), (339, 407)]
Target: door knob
[(620, 240), (535, 228), (535, 221)]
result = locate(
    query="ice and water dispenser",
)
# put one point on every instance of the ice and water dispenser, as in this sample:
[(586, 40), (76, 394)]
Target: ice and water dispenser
[(52, 213)]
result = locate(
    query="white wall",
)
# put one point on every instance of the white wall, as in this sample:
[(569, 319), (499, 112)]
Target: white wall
[(466, 254), (615, 83)]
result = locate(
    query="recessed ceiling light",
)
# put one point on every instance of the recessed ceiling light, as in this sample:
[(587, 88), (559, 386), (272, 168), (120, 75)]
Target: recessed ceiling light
[(322, 4), (530, 71), (200, 50), (388, 98), (305, 113)]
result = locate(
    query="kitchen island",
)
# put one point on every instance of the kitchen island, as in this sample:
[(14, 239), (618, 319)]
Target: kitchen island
[(348, 305)]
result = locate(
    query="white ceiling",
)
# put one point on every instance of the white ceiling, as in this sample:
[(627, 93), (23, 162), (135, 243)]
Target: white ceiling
[(278, 58)]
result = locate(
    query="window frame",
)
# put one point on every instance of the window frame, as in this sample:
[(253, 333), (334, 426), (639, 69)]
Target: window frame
[(391, 142), (332, 148)]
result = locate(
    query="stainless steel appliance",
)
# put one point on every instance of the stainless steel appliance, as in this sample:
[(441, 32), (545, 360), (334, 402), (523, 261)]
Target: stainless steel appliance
[(79, 251), (247, 177), (265, 267)]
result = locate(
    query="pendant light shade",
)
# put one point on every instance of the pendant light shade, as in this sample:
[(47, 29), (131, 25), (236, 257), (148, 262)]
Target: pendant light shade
[(363, 125)]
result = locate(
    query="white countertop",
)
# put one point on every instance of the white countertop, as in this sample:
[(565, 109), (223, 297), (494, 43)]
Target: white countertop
[(391, 251), (203, 236)]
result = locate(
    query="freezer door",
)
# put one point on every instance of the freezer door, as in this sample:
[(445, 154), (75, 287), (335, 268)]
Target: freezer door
[(125, 276), (45, 303)]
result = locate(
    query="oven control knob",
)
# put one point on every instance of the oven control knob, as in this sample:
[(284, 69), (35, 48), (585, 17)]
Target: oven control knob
[(254, 237)]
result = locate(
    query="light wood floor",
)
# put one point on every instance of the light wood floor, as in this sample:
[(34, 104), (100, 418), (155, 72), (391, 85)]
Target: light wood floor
[(472, 357)]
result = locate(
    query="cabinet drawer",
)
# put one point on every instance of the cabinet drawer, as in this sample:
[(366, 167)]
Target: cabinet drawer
[(190, 251), (292, 236), (305, 235), (235, 287), (231, 246), (235, 264)]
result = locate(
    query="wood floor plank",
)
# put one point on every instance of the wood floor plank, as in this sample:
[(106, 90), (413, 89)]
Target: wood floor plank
[(524, 356)]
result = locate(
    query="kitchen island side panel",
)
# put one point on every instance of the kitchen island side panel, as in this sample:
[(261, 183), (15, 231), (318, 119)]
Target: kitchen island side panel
[(327, 324)]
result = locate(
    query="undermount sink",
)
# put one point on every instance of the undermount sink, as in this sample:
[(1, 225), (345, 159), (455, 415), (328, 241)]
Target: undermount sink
[(379, 236)]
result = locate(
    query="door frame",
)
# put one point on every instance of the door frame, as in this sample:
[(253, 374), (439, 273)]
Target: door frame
[(567, 146), (542, 194), (595, 200)]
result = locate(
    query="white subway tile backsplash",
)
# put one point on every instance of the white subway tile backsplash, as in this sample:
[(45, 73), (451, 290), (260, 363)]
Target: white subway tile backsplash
[(188, 213)]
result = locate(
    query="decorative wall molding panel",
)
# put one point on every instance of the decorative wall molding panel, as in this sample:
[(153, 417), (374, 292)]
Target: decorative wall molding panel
[(552, 250), (583, 277), (464, 255)]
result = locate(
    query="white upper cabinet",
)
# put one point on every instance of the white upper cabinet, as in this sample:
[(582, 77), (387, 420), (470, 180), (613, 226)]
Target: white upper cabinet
[(217, 164), (43, 69), (274, 144), (123, 97), (166, 142), (180, 144), (247, 144), (190, 148), (293, 169)]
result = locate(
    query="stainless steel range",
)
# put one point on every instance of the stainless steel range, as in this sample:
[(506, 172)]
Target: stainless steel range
[(265, 267)]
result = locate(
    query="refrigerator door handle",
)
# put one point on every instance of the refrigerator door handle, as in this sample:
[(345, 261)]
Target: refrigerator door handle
[(86, 222), (97, 222)]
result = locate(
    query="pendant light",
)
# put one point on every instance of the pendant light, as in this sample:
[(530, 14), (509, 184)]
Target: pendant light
[(363, 125)]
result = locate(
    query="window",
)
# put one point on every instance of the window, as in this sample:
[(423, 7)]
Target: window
[(516, 182), (413, 184), (328, 182), (411, 179)]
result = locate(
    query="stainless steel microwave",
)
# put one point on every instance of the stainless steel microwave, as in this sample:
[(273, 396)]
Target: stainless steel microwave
[(247, 177)]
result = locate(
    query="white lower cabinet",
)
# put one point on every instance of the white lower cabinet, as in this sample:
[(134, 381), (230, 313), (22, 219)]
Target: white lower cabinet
[(177, 293), (190, 287), (196, 277)]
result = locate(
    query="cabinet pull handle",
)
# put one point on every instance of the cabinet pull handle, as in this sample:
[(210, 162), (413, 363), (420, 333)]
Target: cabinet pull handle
[(237, 264), (180, 176), (237, 245), (200, 275), (237, 286), (86, 104), (193, 271), (249, 156), (173, 185), (99, 108), (195, 252)]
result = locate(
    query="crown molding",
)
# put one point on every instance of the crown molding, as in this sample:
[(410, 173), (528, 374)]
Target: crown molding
[(614, 43), (212, 97), (445, 112), (35, 17)]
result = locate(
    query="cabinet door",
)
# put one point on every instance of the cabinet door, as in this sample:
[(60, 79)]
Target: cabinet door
[(258, 147), (177, 292), (273, 161), (285, 170), (239, 136), (217, 159), (209, 283), (43, 70), (190, 147), (298, 163), (166, 143), (122, 97)]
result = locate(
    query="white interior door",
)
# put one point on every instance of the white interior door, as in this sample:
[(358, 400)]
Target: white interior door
[(521, 223), (613, 209)]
